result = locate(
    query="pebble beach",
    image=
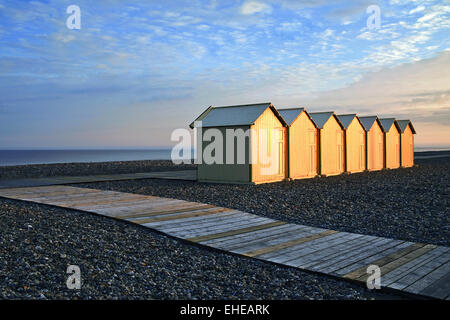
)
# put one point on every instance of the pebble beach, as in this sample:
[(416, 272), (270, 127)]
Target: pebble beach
[(119, 260)]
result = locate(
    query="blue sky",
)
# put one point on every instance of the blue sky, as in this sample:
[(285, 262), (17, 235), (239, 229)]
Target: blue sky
[(136, 70)]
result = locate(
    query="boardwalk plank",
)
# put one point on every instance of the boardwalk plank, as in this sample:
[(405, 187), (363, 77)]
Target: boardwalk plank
[(264, 243), (283, 245), (371, 257), (297, 252), (48, 196), (229, 215), (341, 244), (391, 263), (419, 272), (230, 234), (351, 257), (107, 202), (164, 212), (113, 205), (362, 271), (178, 224), (401, 271), (255, 237), (217, 223), (136, 208), (153, 210), (222, 227), (181, 216), (440, 289), (428, 279), (322, 256)]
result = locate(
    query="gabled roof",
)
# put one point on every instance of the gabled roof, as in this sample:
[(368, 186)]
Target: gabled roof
[(387, 123), (403, 124), (346, 119), (290, 115), (239, 115), (367, 122), (320, 118)]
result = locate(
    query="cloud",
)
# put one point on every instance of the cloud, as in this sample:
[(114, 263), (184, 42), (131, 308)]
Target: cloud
[(290, 26), (65, 38), (203, 27), (418, 91), (252, 7), (418, 9), (367, 35)]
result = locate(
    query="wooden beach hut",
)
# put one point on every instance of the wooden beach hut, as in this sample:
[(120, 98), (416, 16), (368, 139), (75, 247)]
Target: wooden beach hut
[(355, 143), (374, 142), (407, 133), (302, 143), (331, 143), (391, 142), (251, 149)]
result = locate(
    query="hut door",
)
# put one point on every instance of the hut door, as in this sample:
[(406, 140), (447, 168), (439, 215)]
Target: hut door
[(411, 149), (397, 154), (362, 152), (380, 154), (340, 153), (279, 141), (312, 151)]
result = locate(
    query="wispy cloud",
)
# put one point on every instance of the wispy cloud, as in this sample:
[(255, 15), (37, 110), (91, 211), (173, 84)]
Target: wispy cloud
[(252, 7)]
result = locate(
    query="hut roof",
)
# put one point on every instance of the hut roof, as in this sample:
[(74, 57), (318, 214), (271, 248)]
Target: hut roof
[(289, 115), (239, 115), (403, 124), (387, 123), (368, 122), (346, 119), (320, 118)]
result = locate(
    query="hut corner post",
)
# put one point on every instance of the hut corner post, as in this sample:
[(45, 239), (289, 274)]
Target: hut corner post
[(287, 162), (401, 151), (345, 152), (366, 136), (319, 151)]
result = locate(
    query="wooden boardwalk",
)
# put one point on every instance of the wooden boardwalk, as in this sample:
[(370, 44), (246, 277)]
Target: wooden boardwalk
[(414, 268), (49, 181)]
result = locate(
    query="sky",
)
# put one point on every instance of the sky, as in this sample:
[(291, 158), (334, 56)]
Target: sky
[(137, 70)]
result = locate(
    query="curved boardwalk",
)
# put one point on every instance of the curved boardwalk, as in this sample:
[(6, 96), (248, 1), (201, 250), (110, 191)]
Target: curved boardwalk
[(414, 268)]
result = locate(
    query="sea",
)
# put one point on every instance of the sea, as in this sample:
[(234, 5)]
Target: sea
[(40, 156), (22, 157)]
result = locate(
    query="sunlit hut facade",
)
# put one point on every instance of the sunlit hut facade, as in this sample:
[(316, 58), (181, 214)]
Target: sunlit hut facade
[(330, 142), (407, 133), (302, 142), (355, 143), (392, 142), (265, 152), (374, 142)]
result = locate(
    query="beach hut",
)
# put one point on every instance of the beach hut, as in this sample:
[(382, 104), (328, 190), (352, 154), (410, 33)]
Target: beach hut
[(374, 142), (331, 143), (391, 142), (407, 133), (355, 143), (249, 144), (302, 143)]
